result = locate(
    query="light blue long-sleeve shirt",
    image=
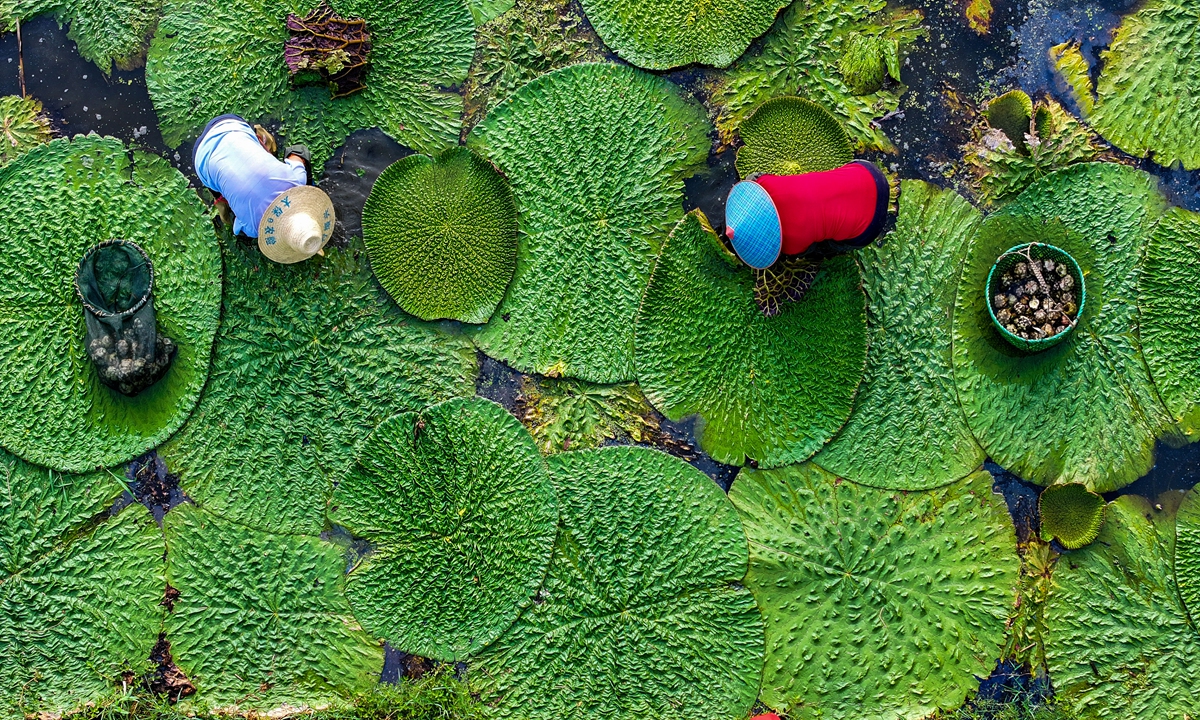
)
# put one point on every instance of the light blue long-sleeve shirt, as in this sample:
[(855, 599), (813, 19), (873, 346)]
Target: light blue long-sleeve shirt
[(230, 160)]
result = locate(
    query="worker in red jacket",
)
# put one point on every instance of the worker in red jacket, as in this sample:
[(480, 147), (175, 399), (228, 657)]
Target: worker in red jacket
[(767, 216)]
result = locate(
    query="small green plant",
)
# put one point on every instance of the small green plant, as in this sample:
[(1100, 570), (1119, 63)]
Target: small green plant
[(1071, 513), (1011, 114), (23, 125), (869, 58)]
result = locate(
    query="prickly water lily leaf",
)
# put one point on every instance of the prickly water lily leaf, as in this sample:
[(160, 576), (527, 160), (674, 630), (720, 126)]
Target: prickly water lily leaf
[(865, 61), (1118, 641), (773, 389), (1011, 113), (210, 58), (456, 500), (79, 589), (106, 33), (802, 54), (641, 614), (311, 357), (1144, 101), (596, 154), (907, 430), (791, 136), (663, 34), (1084, 410), (1071, 513), (878, 604), (569, 414), (59, 200), (442, 235), (262, 620), (22, 126), (1168, 300), (787, 281), (1187, 554)]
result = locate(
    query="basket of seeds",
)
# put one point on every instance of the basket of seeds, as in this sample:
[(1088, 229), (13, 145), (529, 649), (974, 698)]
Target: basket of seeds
[(1035, 295)]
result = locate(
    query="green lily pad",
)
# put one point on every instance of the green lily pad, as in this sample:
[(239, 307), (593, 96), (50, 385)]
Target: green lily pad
[(878, 604), (59, 200), (462, 514), (1084, 410), (23, 125), (791, 136), (1168, 299), (262, 620), (1071, 513), (641, 614), (442, 235), (1118, 641), (106, 33), (907, 431), (802, 55), (596, 154), (774, 389), (80, 590), (210, 58), (1011, 113), (311, 357), (1187, 554), (663, 34), (1144, 97)]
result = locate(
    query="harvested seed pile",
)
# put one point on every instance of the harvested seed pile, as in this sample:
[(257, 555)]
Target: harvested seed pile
[(1037, 299)]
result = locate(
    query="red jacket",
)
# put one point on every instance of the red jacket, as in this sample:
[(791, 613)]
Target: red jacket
[(848, 205)]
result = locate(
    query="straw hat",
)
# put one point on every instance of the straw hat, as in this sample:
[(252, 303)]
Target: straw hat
[(296, 225)]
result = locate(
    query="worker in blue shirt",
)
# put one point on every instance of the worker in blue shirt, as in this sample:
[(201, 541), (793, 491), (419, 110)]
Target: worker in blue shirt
[(270, 199)]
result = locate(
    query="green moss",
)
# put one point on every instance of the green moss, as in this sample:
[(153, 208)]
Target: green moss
[(1071, 514), (22, 126)]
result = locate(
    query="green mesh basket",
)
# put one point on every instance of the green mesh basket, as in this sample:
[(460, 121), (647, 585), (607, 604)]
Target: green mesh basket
[(1037, 251)]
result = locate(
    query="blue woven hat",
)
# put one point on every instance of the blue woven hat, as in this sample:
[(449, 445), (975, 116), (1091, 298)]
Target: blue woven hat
[(757, 234)]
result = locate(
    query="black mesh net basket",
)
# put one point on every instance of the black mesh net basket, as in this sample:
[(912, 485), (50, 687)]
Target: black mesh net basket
[(115, 282)]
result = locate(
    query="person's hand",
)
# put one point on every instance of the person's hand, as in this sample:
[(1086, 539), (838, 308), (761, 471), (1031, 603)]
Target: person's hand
[(729, 233), (294, 156)]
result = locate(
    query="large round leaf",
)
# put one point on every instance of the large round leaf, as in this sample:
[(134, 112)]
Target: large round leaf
[(1145, 99), (1169, 301), (773, 389), (442, 234), (210, 58), (311, 357), (1118, 642), (57, 201), (1187, 554), (596, 155), (462, 514), (79, 591), (108, 32), (907, 430), (802, 55), (1084, 410), (878, 604), (790, 136), (662, 34), (261, 620), (640, 615)]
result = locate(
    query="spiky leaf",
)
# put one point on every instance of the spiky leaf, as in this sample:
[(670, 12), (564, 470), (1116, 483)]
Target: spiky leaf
[(597, 154), (1071, 513), (790, 136), (262, 620), (1118, 641), (877, 604), (801, 55), (864, 61), (568, 414), (1083, 410), (442, 234), (640, 615), (1144, 100), (1187, 554), (108, 32), (59, 200), (663, 34), (79, 590), (907, 430), (456, 500), (211, 57), (774, 389), (22, 126), (1011, 113), (1168, 300), (311, 357)]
